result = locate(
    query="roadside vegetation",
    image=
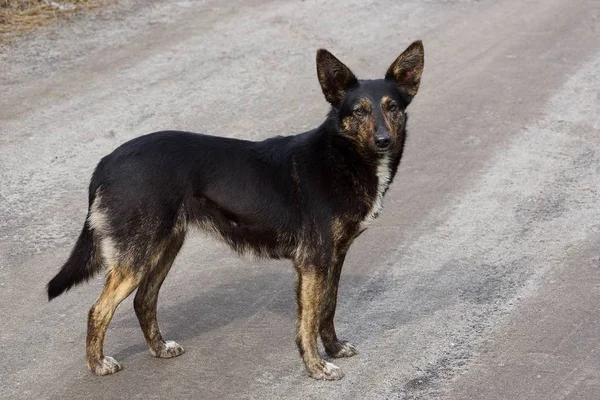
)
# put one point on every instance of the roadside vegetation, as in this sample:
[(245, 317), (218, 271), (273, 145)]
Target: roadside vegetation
[(18, 17)]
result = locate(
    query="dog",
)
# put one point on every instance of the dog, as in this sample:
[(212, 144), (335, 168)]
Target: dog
[(304, 198)]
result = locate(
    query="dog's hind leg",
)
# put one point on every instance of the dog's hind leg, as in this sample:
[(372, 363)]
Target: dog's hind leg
[(333, 346), (311, 291), (120, 282), (146, 300)]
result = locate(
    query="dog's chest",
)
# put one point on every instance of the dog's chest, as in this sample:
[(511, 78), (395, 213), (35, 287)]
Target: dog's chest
[(383, 181)]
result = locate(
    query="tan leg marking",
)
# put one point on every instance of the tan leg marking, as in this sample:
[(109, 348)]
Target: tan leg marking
[(120, 282), (310, 294)]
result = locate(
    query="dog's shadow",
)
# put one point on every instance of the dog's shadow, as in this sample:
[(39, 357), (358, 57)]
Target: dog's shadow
[(249, 293), (269, 289)]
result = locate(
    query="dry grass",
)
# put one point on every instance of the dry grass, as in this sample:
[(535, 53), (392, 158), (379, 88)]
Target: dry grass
[(20, 16)]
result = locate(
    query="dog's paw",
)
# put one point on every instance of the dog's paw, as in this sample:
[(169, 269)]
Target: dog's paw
[(326, 371), (169, 349), (105, 366), (342, 349)]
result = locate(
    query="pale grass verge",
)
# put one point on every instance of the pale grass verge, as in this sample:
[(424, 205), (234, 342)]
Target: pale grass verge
[(21, 16)]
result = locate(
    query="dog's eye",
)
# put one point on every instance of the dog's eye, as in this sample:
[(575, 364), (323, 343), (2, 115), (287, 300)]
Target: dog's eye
[(360, 112), (393, 107)]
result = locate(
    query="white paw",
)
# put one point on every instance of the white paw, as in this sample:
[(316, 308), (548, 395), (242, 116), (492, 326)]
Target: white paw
[(346, 350), (327, 371), (105, 366), (169, 350)]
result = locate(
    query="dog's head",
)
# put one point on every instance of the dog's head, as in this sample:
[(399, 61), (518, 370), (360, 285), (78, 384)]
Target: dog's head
[(372, 113)]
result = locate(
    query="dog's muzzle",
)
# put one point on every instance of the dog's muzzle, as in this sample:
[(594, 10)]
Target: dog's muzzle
[(383, 141)]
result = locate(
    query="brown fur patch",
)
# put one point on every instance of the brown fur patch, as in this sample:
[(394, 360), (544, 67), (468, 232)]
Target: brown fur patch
[(343, 232), (310, 295), (394, 121), (338, 229), (361, 129), (385, 101), (366, 105), (119, 284), (366, 131)]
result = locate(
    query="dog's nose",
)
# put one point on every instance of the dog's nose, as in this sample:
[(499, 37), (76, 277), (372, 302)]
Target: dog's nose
[(382, 141)]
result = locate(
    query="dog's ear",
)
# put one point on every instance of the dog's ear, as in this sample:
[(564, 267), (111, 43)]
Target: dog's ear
[(335, 78), (406, 71)]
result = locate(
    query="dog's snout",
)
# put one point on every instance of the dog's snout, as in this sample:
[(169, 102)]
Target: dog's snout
[(382, 141)]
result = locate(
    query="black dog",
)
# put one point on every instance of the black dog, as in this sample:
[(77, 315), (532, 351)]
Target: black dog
[(303, 197)]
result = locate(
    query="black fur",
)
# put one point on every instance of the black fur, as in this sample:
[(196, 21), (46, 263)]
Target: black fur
[(80, 266)]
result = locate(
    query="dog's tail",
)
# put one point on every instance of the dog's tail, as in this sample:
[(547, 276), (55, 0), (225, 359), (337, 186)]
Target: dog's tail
[(82, 264)]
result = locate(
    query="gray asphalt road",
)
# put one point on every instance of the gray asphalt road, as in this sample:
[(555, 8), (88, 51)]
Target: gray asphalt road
[(480, 281)]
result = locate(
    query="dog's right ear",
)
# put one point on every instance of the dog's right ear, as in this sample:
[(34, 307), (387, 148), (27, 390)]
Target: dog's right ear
[(335, 78)]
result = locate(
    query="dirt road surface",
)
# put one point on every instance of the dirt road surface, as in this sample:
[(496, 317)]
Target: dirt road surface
[(481, 280)]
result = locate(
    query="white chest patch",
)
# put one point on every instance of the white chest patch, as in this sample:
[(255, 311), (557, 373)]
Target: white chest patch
[(383, 181)]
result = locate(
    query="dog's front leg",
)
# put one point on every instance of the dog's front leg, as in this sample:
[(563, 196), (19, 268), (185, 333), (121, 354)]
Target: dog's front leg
[(333, 346), (311, 291)]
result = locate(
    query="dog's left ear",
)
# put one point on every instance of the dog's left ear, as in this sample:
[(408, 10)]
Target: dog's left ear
[(406, 71), (335, 78)]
